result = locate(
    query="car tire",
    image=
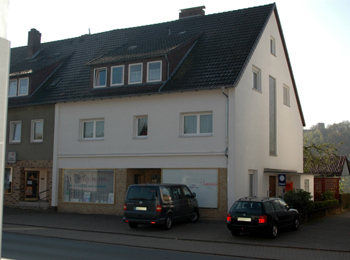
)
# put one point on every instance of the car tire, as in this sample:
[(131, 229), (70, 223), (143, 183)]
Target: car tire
[(133, 225), (273, 231), (235, 232), (168, 222), (194, 216), (296, 223)]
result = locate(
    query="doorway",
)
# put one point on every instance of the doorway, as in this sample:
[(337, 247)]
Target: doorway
[(31, 186), (272, 186)]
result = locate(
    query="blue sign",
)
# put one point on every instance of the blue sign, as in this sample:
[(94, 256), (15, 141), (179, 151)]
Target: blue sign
[(282, 180)]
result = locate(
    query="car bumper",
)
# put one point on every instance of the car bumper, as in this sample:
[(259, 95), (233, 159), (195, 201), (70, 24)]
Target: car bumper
[(144, 221), (249, 228)]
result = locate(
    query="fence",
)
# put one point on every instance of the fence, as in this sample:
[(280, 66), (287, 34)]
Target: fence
[(324, 184)]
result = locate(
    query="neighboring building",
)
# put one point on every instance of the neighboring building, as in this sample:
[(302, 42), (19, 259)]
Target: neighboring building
[(206, 100)]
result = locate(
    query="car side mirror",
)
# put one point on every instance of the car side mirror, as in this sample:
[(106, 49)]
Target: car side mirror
[(193, 194)]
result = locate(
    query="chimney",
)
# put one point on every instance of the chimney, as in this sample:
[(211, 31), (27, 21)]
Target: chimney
[(34, 38), (190, 12)]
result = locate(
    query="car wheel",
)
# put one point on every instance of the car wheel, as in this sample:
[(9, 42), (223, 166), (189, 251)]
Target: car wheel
[(296, 224), (194, 216), (168, 222), (133, 225), (273, 230), (235, 232)]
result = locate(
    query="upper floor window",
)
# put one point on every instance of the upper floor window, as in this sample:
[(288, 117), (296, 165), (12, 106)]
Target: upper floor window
[(100, 77), (15, 132), (93, 129), (117, 75), (37, 131), (273, 46), (135, 73), (141, 126), (154, 71), (198, 124), (18, 87), (286, 95), (256, 79)]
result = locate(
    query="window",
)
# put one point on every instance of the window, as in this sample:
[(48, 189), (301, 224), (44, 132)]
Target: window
[(286, 95), (100, 77), (198, 124), (93, 129), (88, 186), (18, 87), (154, 72), (256, 79), (307, 185), (272, 116), (8, 181), (15, 132), (135, 73), (252, 175), (273, 46), (117, 75), (37, 131), (141, 126)]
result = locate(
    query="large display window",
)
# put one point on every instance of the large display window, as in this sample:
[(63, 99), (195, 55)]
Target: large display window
[(88, 186), (204, 182)]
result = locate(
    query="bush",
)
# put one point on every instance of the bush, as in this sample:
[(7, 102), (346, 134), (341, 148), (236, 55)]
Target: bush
[(300, 200), (325, 203), (327, 195)]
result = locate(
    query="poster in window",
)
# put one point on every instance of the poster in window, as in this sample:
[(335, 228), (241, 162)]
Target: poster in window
[(8, 181)]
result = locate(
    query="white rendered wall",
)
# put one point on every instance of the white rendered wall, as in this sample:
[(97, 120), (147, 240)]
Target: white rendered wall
[(250, 129)]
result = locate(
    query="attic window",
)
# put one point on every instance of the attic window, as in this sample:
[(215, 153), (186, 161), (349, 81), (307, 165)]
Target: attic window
[(135, 73), (100, 77), (154, 72), (273, 46), (18, 87)]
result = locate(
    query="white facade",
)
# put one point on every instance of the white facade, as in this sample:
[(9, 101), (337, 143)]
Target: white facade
[(166, 148)]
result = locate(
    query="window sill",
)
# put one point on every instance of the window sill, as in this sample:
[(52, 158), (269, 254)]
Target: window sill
[(92, 139), (14, 142), (140, 137), (195, 135), (257, 90)]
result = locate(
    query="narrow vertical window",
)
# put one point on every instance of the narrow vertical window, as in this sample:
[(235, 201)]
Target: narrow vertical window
[(256, 79), (135, 73), (272, 115), (37, 131), (273, 46), (117, 76), (15, 132), (100, 77), (252, 175), (286, 95), (23, 87), (154, 71), (13, 88), (141, 126)]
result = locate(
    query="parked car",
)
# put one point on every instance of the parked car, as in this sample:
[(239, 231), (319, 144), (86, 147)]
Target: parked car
[(159, 204), (266, 215)]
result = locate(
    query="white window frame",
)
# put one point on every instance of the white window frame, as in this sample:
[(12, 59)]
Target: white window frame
[(94, 121), (11, 133), (256, 71), (32, 134), (18, 87), (136, 127), (98, 70), (286, 95), (160, 71), (252, 182), (129, 78), (122, 81), (198, 130), (273, 46)]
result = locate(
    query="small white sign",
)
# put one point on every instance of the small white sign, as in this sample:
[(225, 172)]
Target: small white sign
[(11, 157)]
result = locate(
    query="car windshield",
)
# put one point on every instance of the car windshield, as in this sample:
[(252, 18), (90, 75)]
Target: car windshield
[(247, 207), (142, 193)]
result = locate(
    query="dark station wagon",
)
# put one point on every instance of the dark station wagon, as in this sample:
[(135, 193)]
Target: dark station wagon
[(266, 215), (159, 204)]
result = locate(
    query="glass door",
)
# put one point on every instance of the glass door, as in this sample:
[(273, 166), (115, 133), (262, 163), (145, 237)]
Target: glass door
[(31, 186)]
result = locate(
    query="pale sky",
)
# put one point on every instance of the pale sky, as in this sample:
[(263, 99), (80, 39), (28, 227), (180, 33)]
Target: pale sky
[(317, 33)]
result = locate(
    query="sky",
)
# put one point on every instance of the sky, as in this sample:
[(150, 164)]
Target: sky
[(317, 34)]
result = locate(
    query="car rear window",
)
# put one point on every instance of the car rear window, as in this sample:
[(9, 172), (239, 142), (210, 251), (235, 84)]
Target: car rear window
[(142, 193), (247, 207)]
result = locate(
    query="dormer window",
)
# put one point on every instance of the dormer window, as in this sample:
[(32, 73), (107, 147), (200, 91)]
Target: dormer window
[(100, 77), (154, 71), (117, 75), (18, 87), (135, 73)]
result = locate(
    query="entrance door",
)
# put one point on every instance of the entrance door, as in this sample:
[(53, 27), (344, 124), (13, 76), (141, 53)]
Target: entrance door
[(272, 186), (31, 186)]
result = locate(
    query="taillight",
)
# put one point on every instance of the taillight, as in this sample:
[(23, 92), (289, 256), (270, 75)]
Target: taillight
[(262, 219), (229, 217), (124, 207), (159, 208)]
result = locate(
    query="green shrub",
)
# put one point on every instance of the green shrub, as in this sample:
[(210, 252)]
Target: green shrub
[(327, 195), (325, 203), (300, 200)]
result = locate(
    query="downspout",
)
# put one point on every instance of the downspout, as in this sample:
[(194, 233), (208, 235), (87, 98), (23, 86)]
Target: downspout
[(227, 121)]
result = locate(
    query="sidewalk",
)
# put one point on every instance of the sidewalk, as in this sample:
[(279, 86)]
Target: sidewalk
[(327, 234)]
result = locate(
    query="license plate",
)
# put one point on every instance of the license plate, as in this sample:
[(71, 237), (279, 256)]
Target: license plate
[(141, 208), (245, 219)]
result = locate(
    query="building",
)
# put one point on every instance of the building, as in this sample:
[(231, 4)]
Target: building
[(207, 100)]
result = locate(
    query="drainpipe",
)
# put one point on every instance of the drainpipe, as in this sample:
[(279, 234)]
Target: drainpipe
[(226, 132)]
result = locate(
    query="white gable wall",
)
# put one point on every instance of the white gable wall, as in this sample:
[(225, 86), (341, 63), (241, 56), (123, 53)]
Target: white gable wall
[(249, 132)]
